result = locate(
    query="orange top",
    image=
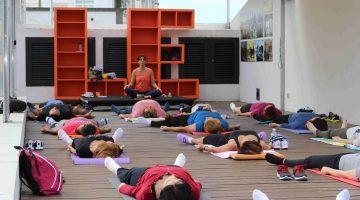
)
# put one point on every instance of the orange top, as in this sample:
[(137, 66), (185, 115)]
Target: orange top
[(143, 80)]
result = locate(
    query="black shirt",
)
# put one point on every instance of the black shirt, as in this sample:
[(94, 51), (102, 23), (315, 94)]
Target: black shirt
[(82, 145), (65, 112), (219, 140)]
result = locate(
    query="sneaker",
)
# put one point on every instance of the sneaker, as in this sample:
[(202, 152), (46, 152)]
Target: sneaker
[(283, 173), (232, 106), (284, 144), (38, 145), (299, 173), (103, 122), (276, 144)]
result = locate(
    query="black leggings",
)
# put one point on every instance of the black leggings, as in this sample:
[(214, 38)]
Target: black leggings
[(130, 176), (177, 121), (312, 162)]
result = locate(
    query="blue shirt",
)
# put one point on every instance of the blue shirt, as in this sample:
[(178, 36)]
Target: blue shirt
[(53, 102), (198, 118), (298, 121)]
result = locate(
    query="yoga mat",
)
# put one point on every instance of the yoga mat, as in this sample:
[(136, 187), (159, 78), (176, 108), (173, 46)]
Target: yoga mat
[(115, 182), (96, 161), (331, 142), (265, 122), (236, 156), (348, 181), (204, 133), (297, 131), (136, 120)]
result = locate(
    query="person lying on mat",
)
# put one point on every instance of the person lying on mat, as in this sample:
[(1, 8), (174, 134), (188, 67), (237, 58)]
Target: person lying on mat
[(200, 121), (78, 126), (344, 165), (147, 108), (92, 146), (343, 134), (165, 182), (196, 107), (57, 112), (299, 121), (142, 81), (261, 111), (243, 141)]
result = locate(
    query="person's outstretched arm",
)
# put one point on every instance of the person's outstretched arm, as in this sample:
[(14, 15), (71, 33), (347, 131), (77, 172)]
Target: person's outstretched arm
[(226, 147), (126, 189), (350, 174), (247, 114), (153, 83), (88, 115), (46, 129), (71, 149), (234, 127), (264, 145), (132, 81), (187, 129), (105, 129)]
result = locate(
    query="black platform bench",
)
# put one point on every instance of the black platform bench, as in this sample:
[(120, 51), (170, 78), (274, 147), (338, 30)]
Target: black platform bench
[(90, 102)]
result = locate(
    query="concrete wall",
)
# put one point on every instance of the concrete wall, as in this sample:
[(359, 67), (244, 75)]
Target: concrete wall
[(322, 56), (208, 92), (263, 75)]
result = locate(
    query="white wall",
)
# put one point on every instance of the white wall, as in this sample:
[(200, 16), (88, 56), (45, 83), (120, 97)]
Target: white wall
[(208, 92), (322, 56), (263, 75)]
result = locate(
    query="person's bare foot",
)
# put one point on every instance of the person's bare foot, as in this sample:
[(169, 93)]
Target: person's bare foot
[(311, 127), (344, 124)]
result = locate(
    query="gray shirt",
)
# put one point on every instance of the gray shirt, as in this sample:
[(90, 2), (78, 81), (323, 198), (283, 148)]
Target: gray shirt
[(349, 162)]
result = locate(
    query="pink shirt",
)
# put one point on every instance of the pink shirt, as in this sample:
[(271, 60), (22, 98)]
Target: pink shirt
[(258, 108), (72, 124), (140, 106)]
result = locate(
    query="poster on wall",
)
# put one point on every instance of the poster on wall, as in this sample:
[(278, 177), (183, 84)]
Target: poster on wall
[(259, 50), (244, 51), (268, 54), (268, 29), (268, 6), (259, 25), (250, 51)]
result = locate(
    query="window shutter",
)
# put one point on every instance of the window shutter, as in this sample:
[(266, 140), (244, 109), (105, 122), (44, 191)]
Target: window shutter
[(195, 59), (166, 68), (226, 60), (114, 55), (91, 52), (39, 61)]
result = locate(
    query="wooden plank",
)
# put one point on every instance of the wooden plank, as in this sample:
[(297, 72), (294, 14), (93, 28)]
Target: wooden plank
[(221, 178)]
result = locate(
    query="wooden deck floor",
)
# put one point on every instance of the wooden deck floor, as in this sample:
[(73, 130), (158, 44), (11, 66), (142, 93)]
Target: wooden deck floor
[(221, 178)]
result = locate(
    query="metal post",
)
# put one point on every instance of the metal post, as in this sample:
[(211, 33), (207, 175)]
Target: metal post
[(51, 12), (227, 26), (282, 56), (12, 51), (7, 41)]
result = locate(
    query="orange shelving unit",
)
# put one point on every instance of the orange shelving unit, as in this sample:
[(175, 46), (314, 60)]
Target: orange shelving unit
[(144, 37), (108, 87), (70, 52)]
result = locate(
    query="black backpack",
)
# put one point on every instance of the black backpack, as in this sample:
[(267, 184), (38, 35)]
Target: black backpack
[(16, 105)]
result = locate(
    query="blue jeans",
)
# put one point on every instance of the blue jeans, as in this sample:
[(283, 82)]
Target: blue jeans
[(133, 93)]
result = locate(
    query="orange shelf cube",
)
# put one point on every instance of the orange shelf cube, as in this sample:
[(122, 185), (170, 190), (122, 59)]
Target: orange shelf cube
[(108, 87), (172, 53), (170, 86), (70, 53), (168, 19), (189, 88)]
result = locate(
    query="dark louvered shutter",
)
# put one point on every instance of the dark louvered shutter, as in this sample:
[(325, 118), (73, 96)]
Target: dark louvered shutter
[(195, 59), (225, 60), (39, 61), (114, 55), (166, 68), (91, 52)]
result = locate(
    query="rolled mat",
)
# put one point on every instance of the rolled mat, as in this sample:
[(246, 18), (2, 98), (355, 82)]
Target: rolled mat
[(348, 181), (297, 131), (115, 182), (96, 161)]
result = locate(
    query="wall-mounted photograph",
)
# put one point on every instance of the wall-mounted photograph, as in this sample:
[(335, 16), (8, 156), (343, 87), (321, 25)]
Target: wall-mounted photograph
[(243, 51), (250, 51), (268, 54), (259, 50)]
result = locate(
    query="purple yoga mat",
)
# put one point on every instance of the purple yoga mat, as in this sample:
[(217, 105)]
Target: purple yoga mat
[(297, 131), (96, 161)]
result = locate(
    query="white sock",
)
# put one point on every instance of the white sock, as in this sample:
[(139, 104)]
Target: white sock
[(50, 120), (180, 160), (189, 140), (62, 135), (343, 195), (232, 106), (258, 195), (117, 135), (145, 121), (111, 165)]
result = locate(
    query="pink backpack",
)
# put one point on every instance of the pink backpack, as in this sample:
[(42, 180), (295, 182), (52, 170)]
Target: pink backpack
[(39, 174)]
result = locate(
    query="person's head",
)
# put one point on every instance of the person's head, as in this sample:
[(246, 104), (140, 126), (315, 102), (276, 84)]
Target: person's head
[(269, 111), (177, 191), (79, 110), (250, 145), (107, 149), (149, 112), (141, 59), (212, 125), (86, 129), (55, 112), (319, 123)]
